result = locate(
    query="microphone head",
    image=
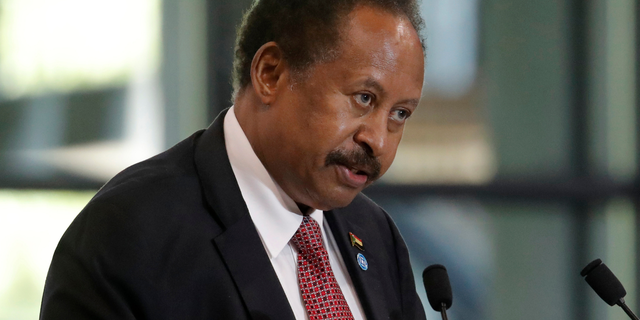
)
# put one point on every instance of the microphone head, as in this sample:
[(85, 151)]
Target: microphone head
[(592, 265), (603, 282), (436, 283)]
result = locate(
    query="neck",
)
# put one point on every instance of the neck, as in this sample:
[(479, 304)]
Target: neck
[(247, 109), (305, 209)]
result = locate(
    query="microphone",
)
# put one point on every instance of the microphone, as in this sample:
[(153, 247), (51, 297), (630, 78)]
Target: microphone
[(606, 285), (436, 283)]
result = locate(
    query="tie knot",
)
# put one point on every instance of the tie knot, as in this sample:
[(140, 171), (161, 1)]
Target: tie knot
[(308, 238)]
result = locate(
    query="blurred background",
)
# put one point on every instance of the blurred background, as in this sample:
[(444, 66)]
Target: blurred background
[(520, 167)]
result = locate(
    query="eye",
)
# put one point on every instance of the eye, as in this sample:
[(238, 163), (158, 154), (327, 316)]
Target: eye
[(400, 115), (364, 98)]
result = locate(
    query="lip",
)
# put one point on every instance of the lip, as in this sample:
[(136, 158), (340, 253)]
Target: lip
[(351, 179)]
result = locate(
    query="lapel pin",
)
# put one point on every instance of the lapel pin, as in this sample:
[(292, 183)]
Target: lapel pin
[(362, 262), (356, 242)]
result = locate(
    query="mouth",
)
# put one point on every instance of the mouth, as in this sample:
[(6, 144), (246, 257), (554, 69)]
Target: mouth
[(357, 171), (355, 168), (353, 177)]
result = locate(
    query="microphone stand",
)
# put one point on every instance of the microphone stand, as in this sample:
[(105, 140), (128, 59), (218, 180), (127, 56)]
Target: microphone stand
[(443, 311), (626, 309)]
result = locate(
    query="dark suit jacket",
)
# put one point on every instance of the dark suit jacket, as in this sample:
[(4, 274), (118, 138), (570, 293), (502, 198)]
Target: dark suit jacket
[(171, 238)]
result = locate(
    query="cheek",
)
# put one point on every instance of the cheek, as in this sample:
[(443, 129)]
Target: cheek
[(331, 123)]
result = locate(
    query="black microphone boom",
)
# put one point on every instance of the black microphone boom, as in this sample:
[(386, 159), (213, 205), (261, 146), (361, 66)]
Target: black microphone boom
[(606, 285), (436, 283)]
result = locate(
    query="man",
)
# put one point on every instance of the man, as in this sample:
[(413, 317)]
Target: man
[(228, 224)]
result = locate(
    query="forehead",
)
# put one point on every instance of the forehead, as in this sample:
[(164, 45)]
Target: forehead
[(378, 45), (375, 38)]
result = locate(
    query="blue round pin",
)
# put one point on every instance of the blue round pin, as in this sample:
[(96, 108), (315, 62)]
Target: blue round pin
[(362, 261)]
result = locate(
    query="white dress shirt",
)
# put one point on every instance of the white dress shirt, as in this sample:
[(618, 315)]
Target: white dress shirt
[(277, 218)]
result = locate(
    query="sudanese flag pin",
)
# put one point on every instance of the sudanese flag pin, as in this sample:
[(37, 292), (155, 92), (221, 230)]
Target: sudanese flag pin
[(356, 242)]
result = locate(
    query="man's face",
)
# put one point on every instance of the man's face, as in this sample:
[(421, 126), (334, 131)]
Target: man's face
[(336, 129)]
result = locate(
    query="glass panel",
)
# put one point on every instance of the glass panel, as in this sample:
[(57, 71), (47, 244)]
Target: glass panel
[(527, 80), (68, 45), (613, 110), (79, 89), (31, 224), (506, 260)]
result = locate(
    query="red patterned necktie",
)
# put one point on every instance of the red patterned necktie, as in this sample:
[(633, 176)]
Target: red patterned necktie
[(320, 291)]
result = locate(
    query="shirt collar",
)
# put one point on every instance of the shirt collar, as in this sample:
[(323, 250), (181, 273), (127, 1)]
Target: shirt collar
[(275, 215)]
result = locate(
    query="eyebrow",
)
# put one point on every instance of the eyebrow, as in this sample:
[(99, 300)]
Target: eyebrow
[(412, 102), (370, 82)]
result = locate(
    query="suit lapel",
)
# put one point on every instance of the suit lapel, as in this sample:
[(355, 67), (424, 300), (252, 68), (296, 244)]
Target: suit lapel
[(367, 283), (244, 254), (239, 244)]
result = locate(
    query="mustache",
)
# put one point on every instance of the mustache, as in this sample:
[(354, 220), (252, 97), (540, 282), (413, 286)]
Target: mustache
[(356, 158)]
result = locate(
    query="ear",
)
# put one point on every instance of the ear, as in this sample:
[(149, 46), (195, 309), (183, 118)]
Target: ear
[(267, 68)]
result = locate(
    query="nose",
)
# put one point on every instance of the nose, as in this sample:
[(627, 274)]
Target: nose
[(372, 134)]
